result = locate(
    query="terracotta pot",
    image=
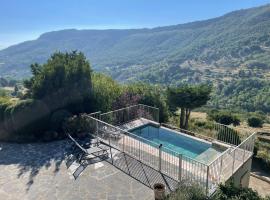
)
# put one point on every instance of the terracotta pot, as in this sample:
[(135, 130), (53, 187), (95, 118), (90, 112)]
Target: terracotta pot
[(159, 190)]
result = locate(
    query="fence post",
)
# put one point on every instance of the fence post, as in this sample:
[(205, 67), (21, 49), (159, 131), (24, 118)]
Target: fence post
[(221, 164), (233, 161), (124, 143), (97, 128), (159, 163), (140, 149), (128, 114), (207, 181), (158, 115), (180, 167)]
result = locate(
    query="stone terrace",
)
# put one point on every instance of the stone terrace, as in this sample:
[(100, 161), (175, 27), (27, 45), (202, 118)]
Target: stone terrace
[(45, 171), (39, 171)]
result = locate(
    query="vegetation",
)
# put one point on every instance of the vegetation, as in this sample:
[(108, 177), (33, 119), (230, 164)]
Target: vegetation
[(223, 117), (262, 153), (230, 192), (66, 86), (57, 89), (242, 94), (255, 121), (216, 51), (187, 98), (188, 192), (225, 192)]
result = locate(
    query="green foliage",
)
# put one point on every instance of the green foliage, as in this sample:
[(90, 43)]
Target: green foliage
[(262, 153), (225, 192), (247, 94), (188, 192), (79, 125), (230, 192), (4, 103), (152, 96), (65, 76), (105, 92), (25, 120), (224, 117), (64, 82), (255, 121), (187, 98), (58, 118), (3, 92)]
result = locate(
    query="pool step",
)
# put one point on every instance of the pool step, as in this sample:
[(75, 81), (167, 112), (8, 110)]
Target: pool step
[(208, 155)]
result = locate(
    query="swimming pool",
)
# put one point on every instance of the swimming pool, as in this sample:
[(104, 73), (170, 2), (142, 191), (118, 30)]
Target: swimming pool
[(180, 143)]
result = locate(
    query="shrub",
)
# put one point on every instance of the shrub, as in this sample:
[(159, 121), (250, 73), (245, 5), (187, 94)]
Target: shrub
[(255, 122), (200, 123), (224, 117), (79, 125), (152, 96), (188, 192), (26, 120), (4, 103), (230, 192), (63, 82), (58, 118)]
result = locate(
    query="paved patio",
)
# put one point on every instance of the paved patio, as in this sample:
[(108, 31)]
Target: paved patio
[(39, 171)]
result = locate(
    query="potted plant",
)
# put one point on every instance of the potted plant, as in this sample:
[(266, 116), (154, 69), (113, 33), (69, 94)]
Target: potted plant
[(159, 190)]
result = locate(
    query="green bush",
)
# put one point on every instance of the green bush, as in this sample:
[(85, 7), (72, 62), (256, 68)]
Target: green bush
[(224, 117), (200, 123), (152, 96), (58, 118), (4, 103), (79, 125), (255, 122), (25, 121), (188, 192), (230, 192)]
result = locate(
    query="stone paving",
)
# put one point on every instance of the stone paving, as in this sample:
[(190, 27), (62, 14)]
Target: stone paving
[(39, 171)]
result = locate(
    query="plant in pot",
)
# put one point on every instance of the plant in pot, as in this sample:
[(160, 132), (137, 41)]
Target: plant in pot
[(159, 190)]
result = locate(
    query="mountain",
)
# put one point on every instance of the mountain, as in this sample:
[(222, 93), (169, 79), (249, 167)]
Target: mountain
[(233, 45)]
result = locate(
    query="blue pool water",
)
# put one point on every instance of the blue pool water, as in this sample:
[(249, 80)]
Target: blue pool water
[(168, 138)]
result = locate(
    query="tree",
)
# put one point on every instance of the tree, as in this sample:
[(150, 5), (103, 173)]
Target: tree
[(187, 98), (150, 95), (64, 81), (255, 121), (105, 92)]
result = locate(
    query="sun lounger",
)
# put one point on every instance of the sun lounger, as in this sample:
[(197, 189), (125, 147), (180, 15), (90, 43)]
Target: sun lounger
[(91, 152)]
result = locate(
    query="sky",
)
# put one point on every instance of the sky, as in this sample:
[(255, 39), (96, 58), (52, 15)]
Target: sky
[(22, 20)]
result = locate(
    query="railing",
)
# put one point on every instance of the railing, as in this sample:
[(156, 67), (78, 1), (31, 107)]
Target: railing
[(239, 147), (167, 161), (223, 167), (131, 113), (95, 114)]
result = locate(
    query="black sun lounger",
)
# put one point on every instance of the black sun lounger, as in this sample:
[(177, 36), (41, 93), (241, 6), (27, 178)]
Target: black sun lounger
[(91, 152)]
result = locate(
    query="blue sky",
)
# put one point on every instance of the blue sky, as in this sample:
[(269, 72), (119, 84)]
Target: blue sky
[(22, 20)]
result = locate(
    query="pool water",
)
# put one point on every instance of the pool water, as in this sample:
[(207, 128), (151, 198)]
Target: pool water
[(179, 143)]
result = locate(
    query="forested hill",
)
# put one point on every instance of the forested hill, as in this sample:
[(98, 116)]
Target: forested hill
[(237, 43)]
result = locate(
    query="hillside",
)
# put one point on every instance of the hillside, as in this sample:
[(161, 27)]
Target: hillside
[(233, 45)]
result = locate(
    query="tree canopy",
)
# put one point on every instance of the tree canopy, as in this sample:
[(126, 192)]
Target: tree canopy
[(63, 71), (65, 76), (187, 98)]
